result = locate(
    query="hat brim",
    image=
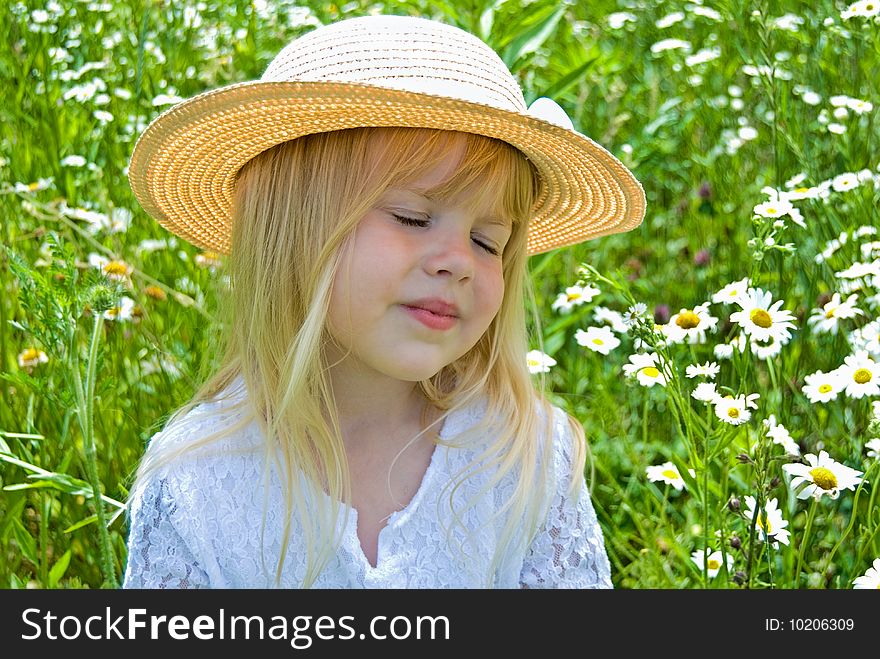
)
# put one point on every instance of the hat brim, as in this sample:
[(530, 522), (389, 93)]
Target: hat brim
[(183, 166)]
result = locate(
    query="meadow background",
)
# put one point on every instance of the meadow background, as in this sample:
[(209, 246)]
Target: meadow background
[(753, 129)]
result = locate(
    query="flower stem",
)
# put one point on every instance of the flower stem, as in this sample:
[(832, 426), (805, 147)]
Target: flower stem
[(85, 399), (810, 515)]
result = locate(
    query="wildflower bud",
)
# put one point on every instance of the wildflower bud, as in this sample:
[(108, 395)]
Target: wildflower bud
[(702, 258), (661, 314), (705, 190), (774, 482), (102, 298), (739, 578), (734, 505), (743, 458), (823, 299), (735, 542)]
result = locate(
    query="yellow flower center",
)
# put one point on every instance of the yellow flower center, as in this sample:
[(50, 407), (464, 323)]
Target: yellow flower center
[(713, 564), (117, 268), (33, 186), (733, 413), (764, 524), (572, 296), (598, 342), (824, 388), (771, 210), (650, 371), (668, 473), (824, 478), (687, 320), (155, 292), (801, 190), (30, 354), (761, 318), (830, 313), (862, 376)]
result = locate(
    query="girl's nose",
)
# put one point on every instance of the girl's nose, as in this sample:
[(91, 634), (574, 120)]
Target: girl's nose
[(450, 255)]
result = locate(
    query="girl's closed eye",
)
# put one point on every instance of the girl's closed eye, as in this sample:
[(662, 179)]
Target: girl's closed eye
[(483, 243)]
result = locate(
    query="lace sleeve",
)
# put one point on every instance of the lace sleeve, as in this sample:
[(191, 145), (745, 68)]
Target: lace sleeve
[(158, 555), (569, 550)]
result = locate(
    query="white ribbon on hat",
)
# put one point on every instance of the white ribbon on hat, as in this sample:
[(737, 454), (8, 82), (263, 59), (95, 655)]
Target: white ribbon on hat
[(550, 111)]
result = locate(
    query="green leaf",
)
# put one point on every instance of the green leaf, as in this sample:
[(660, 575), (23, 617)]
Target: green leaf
[(81, 523), (561, 86), (25, 541), (487, 19), (63, 482), (533, 37), (59, 569)]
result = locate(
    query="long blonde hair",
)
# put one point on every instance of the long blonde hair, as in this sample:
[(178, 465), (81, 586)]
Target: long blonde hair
[(295, 206)]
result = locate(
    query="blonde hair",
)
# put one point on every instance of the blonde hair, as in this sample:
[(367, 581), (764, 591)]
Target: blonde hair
[(296, 205)]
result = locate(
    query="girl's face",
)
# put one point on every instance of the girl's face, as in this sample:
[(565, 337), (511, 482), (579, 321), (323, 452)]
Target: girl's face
[(421, 279)]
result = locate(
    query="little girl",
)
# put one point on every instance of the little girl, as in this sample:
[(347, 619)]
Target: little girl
[(373, 422)]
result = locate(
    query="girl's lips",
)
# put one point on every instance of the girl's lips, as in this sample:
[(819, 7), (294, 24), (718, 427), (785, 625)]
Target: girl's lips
[(430, 319)]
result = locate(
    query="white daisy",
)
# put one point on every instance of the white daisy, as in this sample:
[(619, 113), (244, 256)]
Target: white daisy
[(115, 269), (797, 179), (709, 370), (30, 358), (713, 561), (773, 208), (666, 472), (770, 523), (859, 270), (735, 411), (645, 367), (669, 19), (670, 44), (634, 313), (866, 337), (873, 448), (538, 362), (732, 291), (826, 319), (862, 8), (706, 392), (822, 387), (844, 182), (778, 433), (766, 349), (690, 325), (597, 339), (725, 350), (611, 317), (861, 375), (800, 193), (573, 296), (125, 310), (822, 476), (870, 580), (759, 318)]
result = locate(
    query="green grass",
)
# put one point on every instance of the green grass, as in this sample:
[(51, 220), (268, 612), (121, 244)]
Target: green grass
[(79, 421)]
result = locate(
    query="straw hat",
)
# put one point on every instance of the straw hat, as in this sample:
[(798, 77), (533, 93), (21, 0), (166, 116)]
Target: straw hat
[(376, 71)]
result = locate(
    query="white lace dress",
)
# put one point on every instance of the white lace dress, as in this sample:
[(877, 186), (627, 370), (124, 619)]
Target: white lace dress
[(199, 524)]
